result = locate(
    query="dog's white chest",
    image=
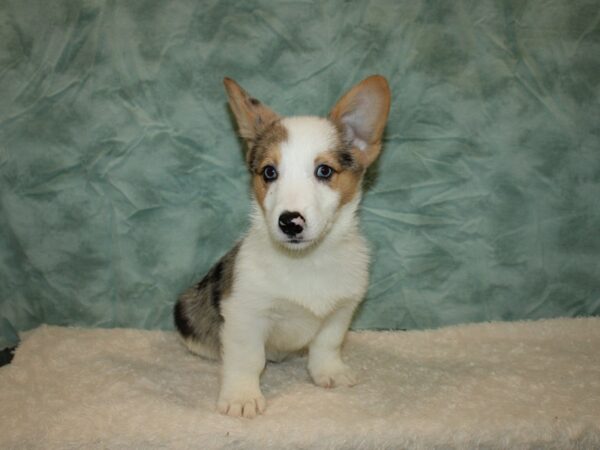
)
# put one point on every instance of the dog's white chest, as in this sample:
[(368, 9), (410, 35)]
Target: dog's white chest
[(317, 282), (292, 327), (320, 287)]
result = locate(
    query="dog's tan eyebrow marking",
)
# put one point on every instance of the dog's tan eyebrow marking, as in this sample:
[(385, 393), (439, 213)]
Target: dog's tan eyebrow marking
[(273, 135), (346, 181)]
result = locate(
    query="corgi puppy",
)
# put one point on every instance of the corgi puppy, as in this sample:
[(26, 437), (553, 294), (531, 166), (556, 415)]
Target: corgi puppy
[(294, 281)]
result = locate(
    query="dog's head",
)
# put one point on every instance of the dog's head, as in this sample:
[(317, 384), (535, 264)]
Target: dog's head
[(306, 169)]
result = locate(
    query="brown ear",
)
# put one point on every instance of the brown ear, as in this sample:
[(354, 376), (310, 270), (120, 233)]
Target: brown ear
[(361, 114), (251, 115)]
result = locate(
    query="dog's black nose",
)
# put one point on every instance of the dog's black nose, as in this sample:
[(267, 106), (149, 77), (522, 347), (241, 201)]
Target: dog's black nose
[(291, 223)]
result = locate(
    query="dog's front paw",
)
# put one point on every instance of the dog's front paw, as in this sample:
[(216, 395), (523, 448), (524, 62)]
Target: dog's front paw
[(247, 405), (333, 375)]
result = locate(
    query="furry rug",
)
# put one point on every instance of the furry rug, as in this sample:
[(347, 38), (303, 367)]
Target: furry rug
[(494, 385)]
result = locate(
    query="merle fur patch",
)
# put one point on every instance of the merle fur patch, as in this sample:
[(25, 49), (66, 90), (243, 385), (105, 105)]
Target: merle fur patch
[(343, 151), (273, 134), (197, 313)]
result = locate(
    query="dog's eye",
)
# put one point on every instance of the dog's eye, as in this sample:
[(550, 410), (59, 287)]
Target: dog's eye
[(323, 172), (269, 174)]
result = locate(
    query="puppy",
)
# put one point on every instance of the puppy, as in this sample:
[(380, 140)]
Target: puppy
[(294, 281)]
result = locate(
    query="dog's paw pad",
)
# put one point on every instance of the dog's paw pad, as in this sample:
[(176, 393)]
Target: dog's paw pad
[(242, 406)]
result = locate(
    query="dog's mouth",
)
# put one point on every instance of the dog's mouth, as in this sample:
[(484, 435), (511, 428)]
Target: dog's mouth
[(297, 243)]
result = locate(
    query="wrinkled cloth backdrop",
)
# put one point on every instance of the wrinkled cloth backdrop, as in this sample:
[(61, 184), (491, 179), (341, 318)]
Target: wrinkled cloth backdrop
[(122, 180)]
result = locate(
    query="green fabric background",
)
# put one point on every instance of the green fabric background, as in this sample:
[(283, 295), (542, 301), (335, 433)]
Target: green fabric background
[(122, 181)]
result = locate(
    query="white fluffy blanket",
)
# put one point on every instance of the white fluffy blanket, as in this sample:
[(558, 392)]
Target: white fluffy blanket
[(494, 385)]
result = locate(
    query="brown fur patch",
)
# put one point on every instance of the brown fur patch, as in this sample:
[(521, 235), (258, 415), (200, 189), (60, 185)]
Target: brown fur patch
[(264, 151), (259, 148), (347, 178), (372, 98), (251, 115), (347, 183)]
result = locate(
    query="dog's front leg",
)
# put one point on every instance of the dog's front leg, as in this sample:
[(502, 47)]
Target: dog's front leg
[(324, 358), (243, 341)]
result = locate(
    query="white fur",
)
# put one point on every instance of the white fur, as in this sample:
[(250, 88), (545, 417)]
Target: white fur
[(286, 297)]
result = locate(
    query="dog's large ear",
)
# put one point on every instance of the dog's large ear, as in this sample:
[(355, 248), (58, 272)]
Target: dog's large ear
[(251, 115), (361, 114)]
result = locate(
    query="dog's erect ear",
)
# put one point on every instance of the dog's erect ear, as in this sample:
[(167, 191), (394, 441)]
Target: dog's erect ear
[(361, 114), (251, 115)]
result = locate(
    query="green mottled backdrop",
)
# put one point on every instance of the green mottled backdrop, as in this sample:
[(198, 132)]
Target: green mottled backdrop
[(121, 179)]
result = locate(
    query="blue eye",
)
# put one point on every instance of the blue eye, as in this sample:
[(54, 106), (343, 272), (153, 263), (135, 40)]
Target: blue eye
[(324, 172), (269, 174)]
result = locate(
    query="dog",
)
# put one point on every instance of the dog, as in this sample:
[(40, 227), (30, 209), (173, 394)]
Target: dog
[(294, 281)]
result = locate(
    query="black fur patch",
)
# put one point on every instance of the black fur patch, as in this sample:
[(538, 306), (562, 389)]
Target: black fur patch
[(217, 276), (198, 310), (346, 159), (181, 321), (7, 355), (202, 285)]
